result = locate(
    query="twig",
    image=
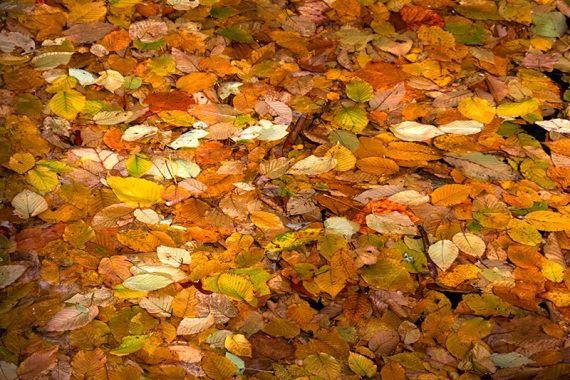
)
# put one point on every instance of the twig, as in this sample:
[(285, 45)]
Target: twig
[(425, 242), (302, 122)]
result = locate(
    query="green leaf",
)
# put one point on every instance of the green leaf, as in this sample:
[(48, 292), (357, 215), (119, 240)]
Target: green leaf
[(347, 139), (10, 273), (510, 360), (138, 164), (132, 82), (233, 33), (466, 32), (56, 166), (487, 305), (136, 191), (238, 362), (353, 119), (223, 12), (552, 24), (67, 104), (130, 344), (51, 60), (359, 91), (145, 46)]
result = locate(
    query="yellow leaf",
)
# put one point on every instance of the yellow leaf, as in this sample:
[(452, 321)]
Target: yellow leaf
[(136, 191), (560, 297), (435, 35), (42, 179), (184, 303), (361, 365), (549, 220), (458, 275), (147, 282), (195, 82), (343, 267), (353, 119), (552, 271), (323, 365), (21, 162), (477, 109), (448, 195), (138, 240), (387, 275), (359, 90), (238, 345), (343, 156), (122, 292), (67, 103), (236, 287), (327, 283), (78, 234), (83, 12), (518, 109), (523, 232)]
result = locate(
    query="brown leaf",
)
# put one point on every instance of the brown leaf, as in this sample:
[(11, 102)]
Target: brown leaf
[(37, 364), (89, 364), (71, 318)]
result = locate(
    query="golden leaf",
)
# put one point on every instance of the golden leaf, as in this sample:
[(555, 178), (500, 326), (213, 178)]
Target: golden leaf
[(238, 345), (449, 195), (218, 367)]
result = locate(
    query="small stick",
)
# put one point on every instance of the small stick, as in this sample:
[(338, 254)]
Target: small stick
[(302, 122), (425, 241)]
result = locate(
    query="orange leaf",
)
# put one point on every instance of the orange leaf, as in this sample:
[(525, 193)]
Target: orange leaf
[(89, 365), (218, 367), (117, 40), (195, 82), (115, 269)]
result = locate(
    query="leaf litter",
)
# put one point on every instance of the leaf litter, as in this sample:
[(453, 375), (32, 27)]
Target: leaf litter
[(284, 189)]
